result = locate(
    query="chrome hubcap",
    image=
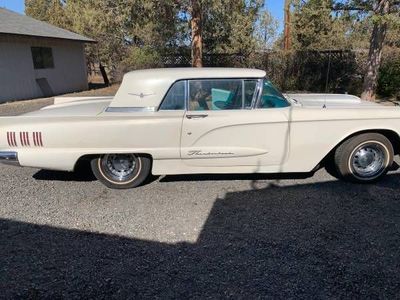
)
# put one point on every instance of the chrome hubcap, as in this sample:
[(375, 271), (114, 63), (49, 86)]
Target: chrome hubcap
[(119, 167), (369, 160)]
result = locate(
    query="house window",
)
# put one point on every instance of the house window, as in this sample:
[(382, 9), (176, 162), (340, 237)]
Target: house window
[(42, 57)]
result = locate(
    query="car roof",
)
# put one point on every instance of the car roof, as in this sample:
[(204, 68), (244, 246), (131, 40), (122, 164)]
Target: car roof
[(192, 73), (146, 88)]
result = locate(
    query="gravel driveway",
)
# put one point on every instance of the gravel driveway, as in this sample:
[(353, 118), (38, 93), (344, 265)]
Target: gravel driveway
[(64, 235)]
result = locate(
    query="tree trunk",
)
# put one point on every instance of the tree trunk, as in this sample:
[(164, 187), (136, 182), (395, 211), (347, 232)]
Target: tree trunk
[(104, 74), (375, 53), (197, 39), (286, 32)]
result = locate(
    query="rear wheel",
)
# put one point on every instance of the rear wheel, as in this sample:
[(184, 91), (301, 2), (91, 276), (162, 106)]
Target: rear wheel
[(121, 171), (364, 158)]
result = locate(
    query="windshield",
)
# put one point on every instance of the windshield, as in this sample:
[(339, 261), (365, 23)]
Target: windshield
[(271, 97)]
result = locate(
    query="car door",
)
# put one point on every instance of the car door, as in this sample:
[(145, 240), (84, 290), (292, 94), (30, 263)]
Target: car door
[(169, 121), (220, 128)]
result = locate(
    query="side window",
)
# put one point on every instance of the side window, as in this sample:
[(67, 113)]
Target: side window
[(222, 94), (271, 97), (175, 98)]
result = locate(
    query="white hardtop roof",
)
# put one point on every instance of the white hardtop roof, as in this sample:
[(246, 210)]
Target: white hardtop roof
[(152, 84), (189, 73)]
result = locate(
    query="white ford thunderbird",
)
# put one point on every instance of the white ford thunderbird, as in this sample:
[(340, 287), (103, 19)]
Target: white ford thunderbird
[(209, 120)]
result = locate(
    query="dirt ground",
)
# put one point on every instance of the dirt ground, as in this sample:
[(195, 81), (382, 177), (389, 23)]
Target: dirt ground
[(66, 236)]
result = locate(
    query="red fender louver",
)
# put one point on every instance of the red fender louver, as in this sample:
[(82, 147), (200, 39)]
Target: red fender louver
[(37, 139), (24, 139), (11, 139)]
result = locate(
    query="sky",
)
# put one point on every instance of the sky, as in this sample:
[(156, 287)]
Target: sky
[(276, 9), (15, 5), (274, 6)]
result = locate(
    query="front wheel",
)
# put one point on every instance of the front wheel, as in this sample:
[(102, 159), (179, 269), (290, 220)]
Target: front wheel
[(121, 171), (364, 158)]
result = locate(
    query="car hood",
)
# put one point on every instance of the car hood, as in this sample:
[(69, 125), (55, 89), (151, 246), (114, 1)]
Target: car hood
[(74, 107), (330, 100)]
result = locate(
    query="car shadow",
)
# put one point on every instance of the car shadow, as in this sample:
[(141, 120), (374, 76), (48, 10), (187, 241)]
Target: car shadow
[(82, 172), (64, 176), (323, 240), (224, 177), (84, 175)]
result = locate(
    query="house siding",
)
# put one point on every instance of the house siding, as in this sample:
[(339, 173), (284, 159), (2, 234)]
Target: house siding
[(18, 76)]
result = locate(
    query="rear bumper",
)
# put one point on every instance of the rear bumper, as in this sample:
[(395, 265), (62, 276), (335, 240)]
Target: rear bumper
[(9, 158)]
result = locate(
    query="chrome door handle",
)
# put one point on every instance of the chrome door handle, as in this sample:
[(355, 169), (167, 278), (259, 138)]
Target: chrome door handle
[(202, 116)]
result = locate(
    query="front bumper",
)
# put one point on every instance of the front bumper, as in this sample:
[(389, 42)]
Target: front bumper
[(9, 158)]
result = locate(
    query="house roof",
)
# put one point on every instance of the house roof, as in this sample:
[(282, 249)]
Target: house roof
[(13, 23)]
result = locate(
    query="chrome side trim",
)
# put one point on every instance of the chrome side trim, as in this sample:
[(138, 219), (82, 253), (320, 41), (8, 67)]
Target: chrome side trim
[(131, 109), (9, 158)]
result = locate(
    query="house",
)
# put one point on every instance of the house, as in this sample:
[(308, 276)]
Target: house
[(38, 59)]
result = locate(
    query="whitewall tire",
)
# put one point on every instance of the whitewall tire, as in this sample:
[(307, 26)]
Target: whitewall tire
[(121, 171), (364, 158)]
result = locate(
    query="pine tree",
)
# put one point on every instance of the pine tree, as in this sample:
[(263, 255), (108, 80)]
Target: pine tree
[(381, 18), (315, 27)]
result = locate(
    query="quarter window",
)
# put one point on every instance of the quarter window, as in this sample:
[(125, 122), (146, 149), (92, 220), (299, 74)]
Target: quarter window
[(175, 98), (221, 94), (42, 57)]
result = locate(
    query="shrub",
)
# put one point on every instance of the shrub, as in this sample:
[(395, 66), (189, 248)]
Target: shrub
[(139, 58), (389, 79)]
